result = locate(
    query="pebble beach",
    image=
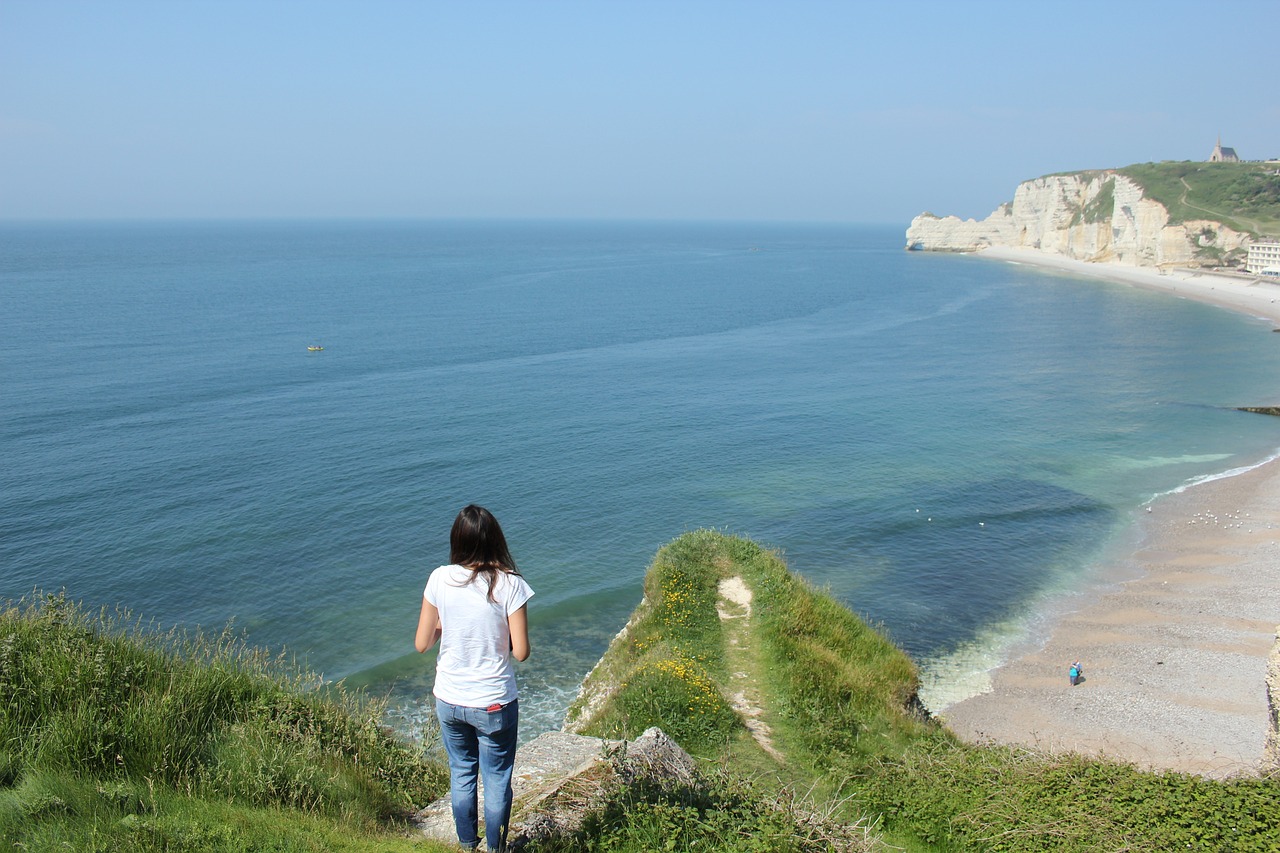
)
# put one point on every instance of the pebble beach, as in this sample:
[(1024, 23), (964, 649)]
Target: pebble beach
[(1174, 648)]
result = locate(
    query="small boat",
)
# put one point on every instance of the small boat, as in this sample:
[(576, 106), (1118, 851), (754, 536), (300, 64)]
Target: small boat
[(314, 348)]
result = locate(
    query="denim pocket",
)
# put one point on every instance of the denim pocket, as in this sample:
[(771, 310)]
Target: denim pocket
[(493, 722)]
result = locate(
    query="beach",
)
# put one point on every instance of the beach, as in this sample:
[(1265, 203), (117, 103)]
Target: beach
[(1174, 652)]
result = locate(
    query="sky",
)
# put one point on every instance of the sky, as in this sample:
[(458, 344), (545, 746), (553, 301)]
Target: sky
[(805, 110)]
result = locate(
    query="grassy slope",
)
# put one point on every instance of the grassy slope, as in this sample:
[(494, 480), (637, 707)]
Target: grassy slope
[(824, 669), (113, 737), (1243, 196), (838, 697)]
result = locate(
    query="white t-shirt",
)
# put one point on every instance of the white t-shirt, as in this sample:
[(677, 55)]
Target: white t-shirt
[(474, 668)]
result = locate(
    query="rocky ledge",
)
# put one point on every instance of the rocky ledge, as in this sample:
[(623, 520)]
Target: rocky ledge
[(560, 778)]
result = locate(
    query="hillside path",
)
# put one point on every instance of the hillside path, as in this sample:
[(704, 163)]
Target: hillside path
[(734, 607)]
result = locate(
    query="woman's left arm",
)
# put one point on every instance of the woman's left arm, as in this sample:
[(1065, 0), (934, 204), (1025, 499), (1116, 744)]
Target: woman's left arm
[(518, 624), (428, 626)]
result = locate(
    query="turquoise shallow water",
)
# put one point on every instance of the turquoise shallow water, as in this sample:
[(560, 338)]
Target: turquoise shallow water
[(940, 440)]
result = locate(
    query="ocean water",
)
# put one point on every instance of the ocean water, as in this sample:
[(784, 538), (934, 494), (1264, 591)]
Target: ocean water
[(944, 442)]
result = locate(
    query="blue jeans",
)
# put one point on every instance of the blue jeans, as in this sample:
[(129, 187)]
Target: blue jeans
[(476, 739)]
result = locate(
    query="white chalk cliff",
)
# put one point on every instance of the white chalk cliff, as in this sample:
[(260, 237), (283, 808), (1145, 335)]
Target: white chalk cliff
[(1087, 216)]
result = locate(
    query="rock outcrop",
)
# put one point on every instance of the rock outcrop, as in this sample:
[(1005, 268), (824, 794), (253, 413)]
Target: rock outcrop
[(560, 808), (560, 778), (1087, 216)]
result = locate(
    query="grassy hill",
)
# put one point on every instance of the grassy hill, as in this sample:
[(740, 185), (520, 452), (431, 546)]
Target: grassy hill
[(1242, 196), (114, 737), (836, 699)]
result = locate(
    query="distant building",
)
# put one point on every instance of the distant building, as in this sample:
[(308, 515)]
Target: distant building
[(1223, 155), (1264, 259)]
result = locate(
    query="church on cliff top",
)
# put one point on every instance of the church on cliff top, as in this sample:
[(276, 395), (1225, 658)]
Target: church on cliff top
[(1223, 155)]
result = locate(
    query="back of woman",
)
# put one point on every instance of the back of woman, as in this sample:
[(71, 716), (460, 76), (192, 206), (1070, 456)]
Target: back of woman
[(475, 608), (474, 664)]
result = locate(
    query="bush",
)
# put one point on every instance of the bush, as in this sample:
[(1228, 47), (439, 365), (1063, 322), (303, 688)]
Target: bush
[(676, 695), (715, 813), (669, 668), (999, 798), (100, 698)]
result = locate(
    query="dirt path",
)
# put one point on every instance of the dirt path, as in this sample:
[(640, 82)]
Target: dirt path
[(734, 607), (1217, 215), (554, 756), (1186, 188)]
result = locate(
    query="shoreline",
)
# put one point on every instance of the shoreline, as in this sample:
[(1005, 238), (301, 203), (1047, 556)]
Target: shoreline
[(1243, 294), (1174, 657)]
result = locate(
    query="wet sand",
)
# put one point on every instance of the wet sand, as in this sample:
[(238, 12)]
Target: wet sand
[(1175, 659)]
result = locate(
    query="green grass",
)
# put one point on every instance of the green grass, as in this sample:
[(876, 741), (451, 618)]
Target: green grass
[(1242, 196), (832, 685), (948, 796), (1102, 207), (48, 812), (838, 687), (670, 669), (716, 812), (116, 736), (840, 700)]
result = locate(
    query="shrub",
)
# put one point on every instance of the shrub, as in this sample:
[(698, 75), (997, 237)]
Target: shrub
[(99, 697), (715, 813), (999, 798), (676, 695), (669, 668)]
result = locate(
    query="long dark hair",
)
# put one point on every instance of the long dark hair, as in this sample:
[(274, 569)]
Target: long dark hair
[(476, 542)]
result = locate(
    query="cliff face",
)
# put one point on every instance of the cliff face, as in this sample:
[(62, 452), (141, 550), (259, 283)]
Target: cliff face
[(1089, 216)]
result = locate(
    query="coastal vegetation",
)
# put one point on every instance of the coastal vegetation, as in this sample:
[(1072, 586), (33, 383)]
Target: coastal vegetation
[(839, 700), (1242, 196), (1102, 205), (114, 736), (1165, 215)]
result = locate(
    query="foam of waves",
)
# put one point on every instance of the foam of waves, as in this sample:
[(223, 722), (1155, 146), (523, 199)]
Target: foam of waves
[(1223, 475), (1131, 464), (966, 671), (542, 709)]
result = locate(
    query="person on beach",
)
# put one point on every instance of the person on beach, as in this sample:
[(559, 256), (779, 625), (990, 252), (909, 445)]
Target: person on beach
[(475, 607), (1074, 673)]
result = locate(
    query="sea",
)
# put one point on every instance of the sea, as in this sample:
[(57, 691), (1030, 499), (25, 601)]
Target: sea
[(948, 444)]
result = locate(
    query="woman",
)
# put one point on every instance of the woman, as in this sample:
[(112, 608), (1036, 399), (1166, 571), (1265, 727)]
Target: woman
[(475, 607)]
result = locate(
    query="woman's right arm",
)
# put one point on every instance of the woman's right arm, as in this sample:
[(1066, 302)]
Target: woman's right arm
[(518, 624), (428, 626)]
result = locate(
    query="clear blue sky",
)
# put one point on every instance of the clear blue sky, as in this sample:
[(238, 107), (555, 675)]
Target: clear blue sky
[(801, 110)]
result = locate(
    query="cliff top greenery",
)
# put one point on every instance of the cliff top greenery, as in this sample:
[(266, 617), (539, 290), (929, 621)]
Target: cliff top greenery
[(1242, 196), (116, 737), (839, 702)]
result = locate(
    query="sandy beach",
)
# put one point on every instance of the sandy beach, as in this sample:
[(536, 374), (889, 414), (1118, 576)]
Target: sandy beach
[(1174, 660)]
